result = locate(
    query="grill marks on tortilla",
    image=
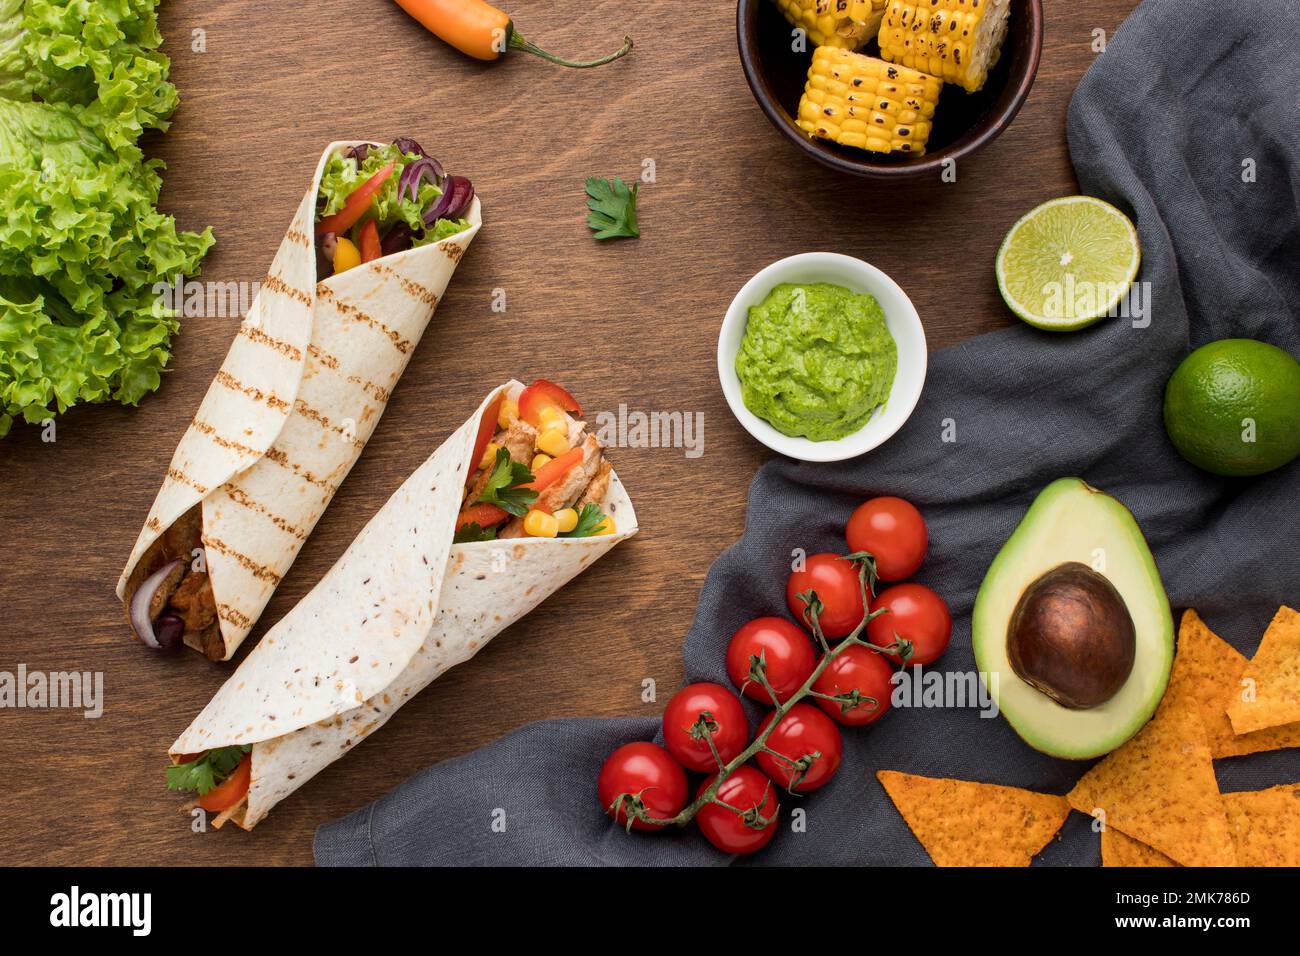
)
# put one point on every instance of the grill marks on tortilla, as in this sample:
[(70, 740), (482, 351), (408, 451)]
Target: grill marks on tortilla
[(175, 474), (242, 498), (208, 429), (281, 458), (256, 569), (252, 391), (287, 349), (279, 286), (350, 311), (409, 286)]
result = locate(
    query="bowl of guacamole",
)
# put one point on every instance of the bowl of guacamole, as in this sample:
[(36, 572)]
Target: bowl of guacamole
[(821, 357)]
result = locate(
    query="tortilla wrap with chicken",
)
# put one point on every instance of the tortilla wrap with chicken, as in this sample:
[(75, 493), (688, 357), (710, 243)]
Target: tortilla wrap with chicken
[(406, 602), (300, 392)]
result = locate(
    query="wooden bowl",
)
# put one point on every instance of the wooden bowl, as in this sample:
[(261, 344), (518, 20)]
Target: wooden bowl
[(963, 122)]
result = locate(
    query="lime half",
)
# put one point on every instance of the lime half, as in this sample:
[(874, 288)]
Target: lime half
[(1068, 263)]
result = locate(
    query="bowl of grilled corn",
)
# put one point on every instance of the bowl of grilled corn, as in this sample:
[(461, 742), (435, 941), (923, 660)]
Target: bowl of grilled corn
[(890, 88)]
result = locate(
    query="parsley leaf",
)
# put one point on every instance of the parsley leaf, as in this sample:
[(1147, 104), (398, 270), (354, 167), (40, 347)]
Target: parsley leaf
[(502, 488), (473, 532), (203, 773), (613, 208), (589, 519)]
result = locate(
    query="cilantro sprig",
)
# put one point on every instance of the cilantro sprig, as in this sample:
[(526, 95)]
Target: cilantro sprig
[(613, 208), (473, 531), (503, 487), (589, 519), (205, 772)]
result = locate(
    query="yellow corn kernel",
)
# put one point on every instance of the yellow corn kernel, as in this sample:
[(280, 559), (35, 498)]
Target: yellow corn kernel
[(567, 518), (346, 255), (508, 414), (841, 23), (541, 525), (606, 526), (538, 461), (866, 103), (957, 40), (551, 417), (553, 441), (489, 455)]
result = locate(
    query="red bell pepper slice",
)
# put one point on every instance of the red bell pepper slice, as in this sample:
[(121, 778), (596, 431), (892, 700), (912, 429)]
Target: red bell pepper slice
[(231, 790), (553, 471), (541, 394), (483, 515), (355, 206), (370, 248), (487, 427)]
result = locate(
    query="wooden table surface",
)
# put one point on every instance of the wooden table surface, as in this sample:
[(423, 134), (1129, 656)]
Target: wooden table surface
[(632, 321)]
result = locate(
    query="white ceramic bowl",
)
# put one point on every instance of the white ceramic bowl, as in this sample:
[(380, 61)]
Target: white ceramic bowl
[(904, 325)]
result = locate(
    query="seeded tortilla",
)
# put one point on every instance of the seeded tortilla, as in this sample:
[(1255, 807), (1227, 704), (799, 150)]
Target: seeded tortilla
[(1159, 788), (1266, 825), (1213, 668), (1117, 849), (1275, 671), (307, 377), (963, 823)]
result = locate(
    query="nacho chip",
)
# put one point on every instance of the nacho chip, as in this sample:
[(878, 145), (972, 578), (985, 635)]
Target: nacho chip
[(1266, 825), (962, 823), (1120, 850), (1159, 788), (1275, 670), (1213, 668)]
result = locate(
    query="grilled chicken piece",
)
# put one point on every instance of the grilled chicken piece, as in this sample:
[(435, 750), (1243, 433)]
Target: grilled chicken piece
[(566, 491), (194, 602), (595, 492)]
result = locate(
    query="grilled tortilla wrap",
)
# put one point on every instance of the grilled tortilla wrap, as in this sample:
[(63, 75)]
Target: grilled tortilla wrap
[(300, 392), (401, 606)]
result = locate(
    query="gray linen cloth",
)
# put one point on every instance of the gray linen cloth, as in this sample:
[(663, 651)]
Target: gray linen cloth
[(1161, 125)]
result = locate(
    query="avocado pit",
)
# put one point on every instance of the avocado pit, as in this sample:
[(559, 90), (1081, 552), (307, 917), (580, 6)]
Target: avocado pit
[(1071, 636)]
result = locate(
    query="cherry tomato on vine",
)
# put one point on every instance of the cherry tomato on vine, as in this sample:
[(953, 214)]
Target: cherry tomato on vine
[(755, 797), (802, 733), (893, 532), (785, 649), (856, 668), (835, 579), (727, 725), (915, 613), (647, 773)]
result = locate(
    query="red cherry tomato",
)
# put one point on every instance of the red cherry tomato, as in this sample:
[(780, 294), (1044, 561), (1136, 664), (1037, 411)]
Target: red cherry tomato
[(784, 648), (649, 774), (802, 732), (893, 532), (755, 796), (915, 613), (835, 579), (541, 394), (729, 727), (231, 790), (856, 668)]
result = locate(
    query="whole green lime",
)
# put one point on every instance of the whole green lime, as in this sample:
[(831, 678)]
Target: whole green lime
[(1233, 407)]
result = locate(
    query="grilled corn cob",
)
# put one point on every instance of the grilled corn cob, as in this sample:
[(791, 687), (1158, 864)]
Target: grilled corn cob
[(857, 100), (843, 23), (958, 40)]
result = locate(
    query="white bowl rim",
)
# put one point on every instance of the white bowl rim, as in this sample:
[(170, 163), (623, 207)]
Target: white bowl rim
[(900, 314)]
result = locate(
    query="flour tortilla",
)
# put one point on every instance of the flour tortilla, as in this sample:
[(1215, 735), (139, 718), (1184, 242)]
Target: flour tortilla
[(402, 605), (300, 392)]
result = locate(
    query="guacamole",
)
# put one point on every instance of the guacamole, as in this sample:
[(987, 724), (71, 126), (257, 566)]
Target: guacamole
[(817, 360)]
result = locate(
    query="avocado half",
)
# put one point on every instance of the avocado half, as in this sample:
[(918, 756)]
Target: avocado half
[(1072, 522)]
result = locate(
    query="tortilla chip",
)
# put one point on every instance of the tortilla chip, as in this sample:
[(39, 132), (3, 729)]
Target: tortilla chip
[(1120, 850), (1266, 825), (1275, 670), (1213, 668), (962, 823), (1159, 788)]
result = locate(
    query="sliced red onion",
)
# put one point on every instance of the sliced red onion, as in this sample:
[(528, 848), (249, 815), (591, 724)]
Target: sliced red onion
[(398, 239), (457, 194), (417, 171), (143, 597), (405, 145)]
